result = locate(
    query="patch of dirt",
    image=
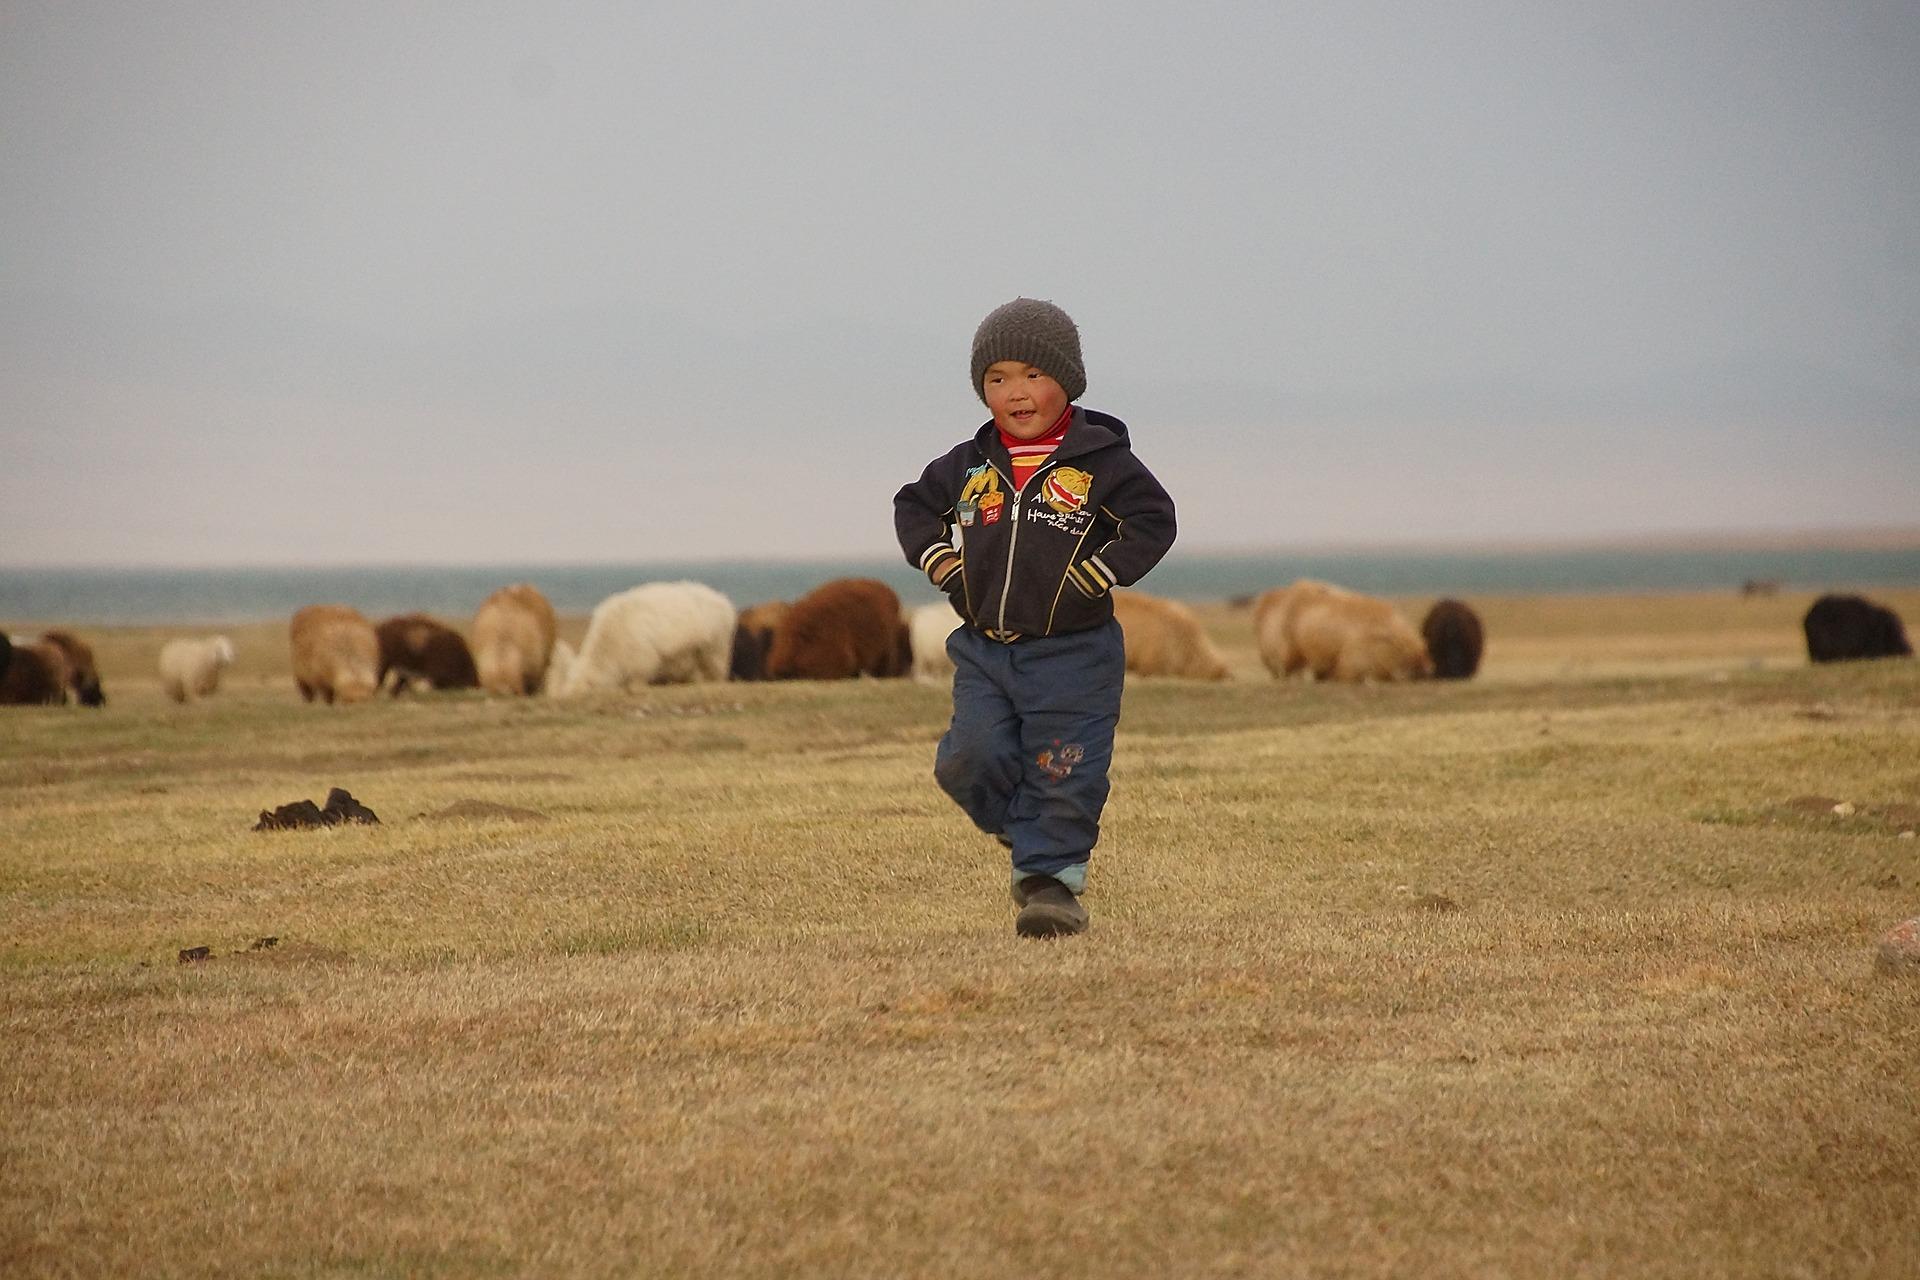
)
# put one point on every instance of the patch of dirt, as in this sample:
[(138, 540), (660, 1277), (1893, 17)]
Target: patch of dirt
[(500, 776), (1899, 954), (1811, 804), (291, 953), (268, 950), (1895, 816), (477, 809)]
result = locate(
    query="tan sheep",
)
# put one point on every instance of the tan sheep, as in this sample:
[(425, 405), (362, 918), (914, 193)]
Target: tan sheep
[(513, 637), (753, 638), (1337, 635), (191, 669), (1164, 638), (336, 654)]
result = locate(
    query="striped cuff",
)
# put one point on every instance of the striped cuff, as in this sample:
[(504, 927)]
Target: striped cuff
[(1091, 577), (939, 562)]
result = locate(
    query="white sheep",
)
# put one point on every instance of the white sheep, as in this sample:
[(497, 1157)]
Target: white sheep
[(191, 668), (659, 633), (928, 630)]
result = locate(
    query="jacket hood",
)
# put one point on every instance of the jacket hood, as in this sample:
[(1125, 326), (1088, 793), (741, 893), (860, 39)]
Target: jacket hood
[(1089, 430)]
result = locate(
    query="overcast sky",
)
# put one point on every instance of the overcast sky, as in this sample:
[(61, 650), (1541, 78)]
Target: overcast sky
[(339, 282)]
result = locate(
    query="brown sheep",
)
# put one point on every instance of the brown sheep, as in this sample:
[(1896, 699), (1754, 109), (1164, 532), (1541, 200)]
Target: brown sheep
[(1337, 635), (841, 629), (1454, 639), (336, 654), (82, 676), (753, 639), (1165, 639), (47, 671), (37, 674), (513, 637), (416, 647)]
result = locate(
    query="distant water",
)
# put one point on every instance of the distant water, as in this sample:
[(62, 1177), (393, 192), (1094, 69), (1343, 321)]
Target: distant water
[(130, 596)]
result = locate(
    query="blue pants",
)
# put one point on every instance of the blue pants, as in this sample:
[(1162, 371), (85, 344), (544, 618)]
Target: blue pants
[(1031, 740)]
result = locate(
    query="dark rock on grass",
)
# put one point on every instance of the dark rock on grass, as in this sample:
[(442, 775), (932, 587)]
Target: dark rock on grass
[(1900, 950), (292, 817), (344, 808), (191, 955), (340, 807)]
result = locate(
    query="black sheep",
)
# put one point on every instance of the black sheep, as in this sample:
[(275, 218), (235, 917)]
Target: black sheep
[(416, 647), (1454, 639), (1842, 628)]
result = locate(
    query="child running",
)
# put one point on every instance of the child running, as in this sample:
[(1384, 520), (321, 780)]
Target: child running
[(1027, 526)]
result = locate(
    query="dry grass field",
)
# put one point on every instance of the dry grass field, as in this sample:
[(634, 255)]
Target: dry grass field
[(1560, 972)]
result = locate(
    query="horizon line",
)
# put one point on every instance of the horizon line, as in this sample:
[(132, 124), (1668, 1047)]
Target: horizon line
[(1800, 538)]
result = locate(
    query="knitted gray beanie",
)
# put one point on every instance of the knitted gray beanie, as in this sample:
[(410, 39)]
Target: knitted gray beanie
[(1032, 332)]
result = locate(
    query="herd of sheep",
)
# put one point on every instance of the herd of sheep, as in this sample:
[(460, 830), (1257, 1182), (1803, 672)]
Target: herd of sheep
[(686, 632)]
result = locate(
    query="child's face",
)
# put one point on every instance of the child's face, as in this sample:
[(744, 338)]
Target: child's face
[(1025, 402)]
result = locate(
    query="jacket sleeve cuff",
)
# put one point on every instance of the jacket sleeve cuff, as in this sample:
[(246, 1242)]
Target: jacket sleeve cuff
[(940, 562), (1091, 577)]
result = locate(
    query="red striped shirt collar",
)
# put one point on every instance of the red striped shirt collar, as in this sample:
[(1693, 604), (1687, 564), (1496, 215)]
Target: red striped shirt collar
[(1050, 441)]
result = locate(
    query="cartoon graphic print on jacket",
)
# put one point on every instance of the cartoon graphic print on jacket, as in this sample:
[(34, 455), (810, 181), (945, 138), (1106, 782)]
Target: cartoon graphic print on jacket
[(1039, 560)]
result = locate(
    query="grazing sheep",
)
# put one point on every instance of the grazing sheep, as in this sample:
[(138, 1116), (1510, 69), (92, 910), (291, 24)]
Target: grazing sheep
[(513, 637), (191, 668), (1164, 638), (1843, 628), (82, 676), (336, 655), (416, 647), (37, 674), (1337, 635), (928, 628), (841, 629), (1454, 639), (753, 637), (659, 633)]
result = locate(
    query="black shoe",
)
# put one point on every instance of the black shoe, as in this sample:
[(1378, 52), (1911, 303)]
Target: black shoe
[(1048, 909)]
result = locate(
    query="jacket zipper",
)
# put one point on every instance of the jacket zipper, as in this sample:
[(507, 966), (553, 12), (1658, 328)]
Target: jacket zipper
[(1013, 539)]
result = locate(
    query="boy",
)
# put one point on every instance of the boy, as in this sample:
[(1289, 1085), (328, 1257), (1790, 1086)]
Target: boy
[(1026, 527)]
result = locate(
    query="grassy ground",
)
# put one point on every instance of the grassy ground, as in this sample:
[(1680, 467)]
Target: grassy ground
[(1564, 971)]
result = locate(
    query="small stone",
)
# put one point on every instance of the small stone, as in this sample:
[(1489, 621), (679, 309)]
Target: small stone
[(1844, 809), (1900, 950)]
